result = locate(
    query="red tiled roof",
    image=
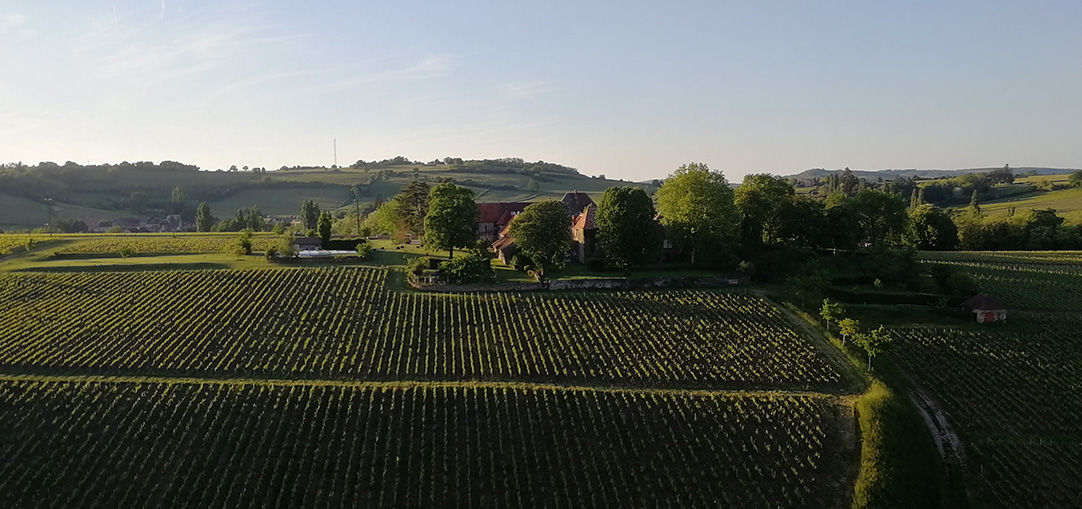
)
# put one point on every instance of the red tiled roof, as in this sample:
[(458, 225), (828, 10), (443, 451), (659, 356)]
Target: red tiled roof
[(494, 212), (502, 243), (587, 220)]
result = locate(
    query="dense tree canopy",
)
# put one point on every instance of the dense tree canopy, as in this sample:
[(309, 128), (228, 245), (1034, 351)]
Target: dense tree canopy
[(762, 200), (542, 232), (930, 228), (310, 214), (627, 231), (326, 221), (1075, 179), (803, 221), (451, 218), (880, 217), (696, 204), (204, 221), (411, 207)]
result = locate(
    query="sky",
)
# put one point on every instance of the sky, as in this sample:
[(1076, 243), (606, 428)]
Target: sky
[(624, 88)]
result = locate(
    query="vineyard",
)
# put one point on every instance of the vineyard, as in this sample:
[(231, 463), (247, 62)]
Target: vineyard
[(140, 244), (165, 244), (325, 387), (345, 324), (1013, 391), (270, 446)]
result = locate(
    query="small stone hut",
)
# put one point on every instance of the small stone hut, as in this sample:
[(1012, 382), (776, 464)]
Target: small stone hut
[(986, 308)]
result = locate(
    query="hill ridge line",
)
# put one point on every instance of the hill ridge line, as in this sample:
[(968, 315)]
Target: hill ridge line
[(406, 384)]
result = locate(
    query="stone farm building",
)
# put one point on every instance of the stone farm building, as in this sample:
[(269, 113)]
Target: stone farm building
[(493, 218), (307, 244), (494, 223), (986, 308)]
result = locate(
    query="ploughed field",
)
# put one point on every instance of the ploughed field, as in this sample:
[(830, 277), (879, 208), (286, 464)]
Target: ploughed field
[(324, 387), (1012, 391)]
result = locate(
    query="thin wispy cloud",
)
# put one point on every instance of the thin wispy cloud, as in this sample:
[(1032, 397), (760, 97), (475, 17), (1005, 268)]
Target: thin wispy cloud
[(522, 89), (426, 67), (15, 24)]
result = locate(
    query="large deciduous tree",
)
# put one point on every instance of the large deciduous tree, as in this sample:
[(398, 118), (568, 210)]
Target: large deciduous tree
[(626, 228), (880, 217), (326, 221), (411, 207), (803, 221), (930, 228), (697, 204), (451, 218), (310, 214), (176, 200), (204, 221), (542, 232), (762, 200)]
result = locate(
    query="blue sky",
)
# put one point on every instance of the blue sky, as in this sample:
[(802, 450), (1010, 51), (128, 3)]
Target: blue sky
[(629, 89)]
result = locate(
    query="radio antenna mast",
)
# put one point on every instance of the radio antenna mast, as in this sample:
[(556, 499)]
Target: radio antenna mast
[(334, 147)]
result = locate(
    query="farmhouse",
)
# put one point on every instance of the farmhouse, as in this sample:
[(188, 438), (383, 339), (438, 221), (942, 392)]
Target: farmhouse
[(580, 206), (577, 202), (583, 233), (986, 308), (307, 244), (492, 218), (505, 246)]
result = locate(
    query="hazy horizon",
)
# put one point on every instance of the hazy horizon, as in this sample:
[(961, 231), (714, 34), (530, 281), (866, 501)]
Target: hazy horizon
[(630, 89)]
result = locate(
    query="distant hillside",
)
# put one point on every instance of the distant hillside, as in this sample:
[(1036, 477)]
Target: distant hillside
[(925, 174), (145, 189)]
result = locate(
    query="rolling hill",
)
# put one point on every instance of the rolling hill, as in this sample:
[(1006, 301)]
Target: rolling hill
[(109, 191), (923, 174)]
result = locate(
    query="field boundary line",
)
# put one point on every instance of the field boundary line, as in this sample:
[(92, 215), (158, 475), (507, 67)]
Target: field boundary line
[(407, 384)]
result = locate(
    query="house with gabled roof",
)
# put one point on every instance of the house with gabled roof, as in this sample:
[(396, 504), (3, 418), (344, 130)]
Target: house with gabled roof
[(986, 308), (584, 234), (492, 218)]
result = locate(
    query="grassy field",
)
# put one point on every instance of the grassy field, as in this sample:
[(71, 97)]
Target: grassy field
[(22, 213), (281, 201), (307, 387), (1066, 202)]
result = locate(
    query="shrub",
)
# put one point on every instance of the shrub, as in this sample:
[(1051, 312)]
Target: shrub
[(959, 284), (468, 269), (417, 265), (595, 264), (285, 248), (521, 262), (126, 251), (363, 249), (244, 242)]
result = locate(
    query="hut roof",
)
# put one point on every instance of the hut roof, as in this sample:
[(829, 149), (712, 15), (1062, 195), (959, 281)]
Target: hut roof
[(984, 301)]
